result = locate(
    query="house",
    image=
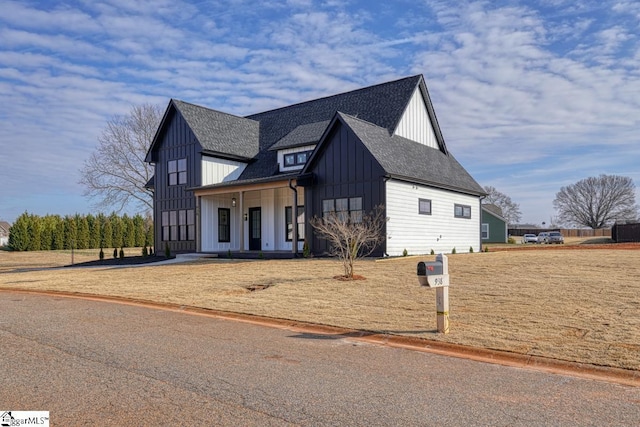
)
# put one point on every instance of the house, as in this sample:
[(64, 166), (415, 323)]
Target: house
[(494, 226), (229, 183), (4, 233)]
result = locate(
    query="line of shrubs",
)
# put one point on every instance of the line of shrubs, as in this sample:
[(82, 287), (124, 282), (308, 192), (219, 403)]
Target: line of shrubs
[(52, 232)]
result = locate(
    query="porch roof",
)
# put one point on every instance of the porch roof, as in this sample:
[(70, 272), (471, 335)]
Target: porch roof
[(276, 181)]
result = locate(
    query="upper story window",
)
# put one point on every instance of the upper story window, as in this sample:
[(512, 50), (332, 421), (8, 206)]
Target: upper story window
[(296, 159), (177, 171), (462, 211)]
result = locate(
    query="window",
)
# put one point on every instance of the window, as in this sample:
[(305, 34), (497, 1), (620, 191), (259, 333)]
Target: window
[(191, 224), (178, 225), (328, 207), (299, 222), (345, 209), (424, 207), (224, 225), (485, 231), (462, 211), (165, 226), (355, 209), (177, 170), (296, 159), (173, 225)]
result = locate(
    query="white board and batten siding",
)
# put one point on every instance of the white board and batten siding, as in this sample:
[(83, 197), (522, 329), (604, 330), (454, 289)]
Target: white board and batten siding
[(415, 123), (272, 203), (215, 170), (441, 231)]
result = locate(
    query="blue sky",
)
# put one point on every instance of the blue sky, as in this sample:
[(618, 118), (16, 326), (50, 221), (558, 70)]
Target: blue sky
[(530, 95)]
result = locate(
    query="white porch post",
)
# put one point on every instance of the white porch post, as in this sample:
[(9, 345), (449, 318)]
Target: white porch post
[(198, 224), (241, 205)]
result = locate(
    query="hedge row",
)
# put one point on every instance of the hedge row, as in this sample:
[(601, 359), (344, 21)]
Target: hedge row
[(35, 233)]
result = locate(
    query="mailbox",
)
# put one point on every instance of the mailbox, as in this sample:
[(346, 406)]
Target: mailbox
[(433, 274), (436, 275)]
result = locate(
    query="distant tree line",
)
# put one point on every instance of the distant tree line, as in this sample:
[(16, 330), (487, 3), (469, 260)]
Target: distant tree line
[(52, 232)]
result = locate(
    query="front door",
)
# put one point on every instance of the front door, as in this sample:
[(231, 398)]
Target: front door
[(255, 229)]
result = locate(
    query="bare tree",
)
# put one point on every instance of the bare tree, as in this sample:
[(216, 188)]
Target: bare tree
[(351, 237), (597, 202), (510, 210), (116, 173)]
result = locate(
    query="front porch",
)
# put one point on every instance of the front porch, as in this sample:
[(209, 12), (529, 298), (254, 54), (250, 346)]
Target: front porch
[(250, 218)]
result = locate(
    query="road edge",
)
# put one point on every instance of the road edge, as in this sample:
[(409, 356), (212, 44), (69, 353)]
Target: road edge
[(500, 357)]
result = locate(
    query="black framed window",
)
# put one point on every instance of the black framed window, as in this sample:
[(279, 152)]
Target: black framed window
[(289, 222), (355, 209), (224, 225), (173, 225), (177, 170), (345, 209), (328, 207), (424, 206), (462, 211), (178, 225), (296, 159), (165, 226), (191, 224)]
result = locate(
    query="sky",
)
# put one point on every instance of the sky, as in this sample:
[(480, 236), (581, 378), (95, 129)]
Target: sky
[(531, 96)]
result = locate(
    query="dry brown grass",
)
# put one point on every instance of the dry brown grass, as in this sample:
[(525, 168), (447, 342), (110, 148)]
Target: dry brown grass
[(577, 305)]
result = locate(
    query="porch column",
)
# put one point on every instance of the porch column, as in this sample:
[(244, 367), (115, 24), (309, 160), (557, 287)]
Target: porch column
[(198, 224), (241, 205)]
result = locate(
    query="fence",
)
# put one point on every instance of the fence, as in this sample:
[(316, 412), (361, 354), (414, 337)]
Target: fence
[(626, 232), (566, 232)]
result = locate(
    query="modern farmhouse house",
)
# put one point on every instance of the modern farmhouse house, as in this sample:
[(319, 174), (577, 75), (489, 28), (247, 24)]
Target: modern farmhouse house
[(228, 183)]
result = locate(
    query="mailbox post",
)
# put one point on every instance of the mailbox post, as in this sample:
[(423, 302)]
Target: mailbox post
[(436, 275)]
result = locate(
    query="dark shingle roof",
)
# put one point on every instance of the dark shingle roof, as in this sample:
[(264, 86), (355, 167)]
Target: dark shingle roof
[(219, 132), (405, 159), (302, 135), (382, 104)]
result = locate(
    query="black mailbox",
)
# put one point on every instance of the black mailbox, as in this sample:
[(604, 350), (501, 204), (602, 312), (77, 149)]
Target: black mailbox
[(429, 268)]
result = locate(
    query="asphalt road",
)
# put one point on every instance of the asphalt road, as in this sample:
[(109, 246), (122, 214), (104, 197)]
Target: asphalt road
[(109, 364)]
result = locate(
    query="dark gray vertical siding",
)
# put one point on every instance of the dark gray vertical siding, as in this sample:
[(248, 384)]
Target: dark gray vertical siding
[(178, 142), (344, 168)]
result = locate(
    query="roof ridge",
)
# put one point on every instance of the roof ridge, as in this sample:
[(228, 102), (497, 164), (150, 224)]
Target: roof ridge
[(336, 95), (174, 100)]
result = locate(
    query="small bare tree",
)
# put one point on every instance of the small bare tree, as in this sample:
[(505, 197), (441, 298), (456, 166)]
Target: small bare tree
[(351, 237), (117, 173)]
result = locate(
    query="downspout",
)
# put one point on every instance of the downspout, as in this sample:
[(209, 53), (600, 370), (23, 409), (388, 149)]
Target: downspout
[(294, 219)]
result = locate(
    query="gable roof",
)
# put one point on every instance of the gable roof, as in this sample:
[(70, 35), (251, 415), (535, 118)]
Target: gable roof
[(373, 113), (407, 160), (218, 133), (301, 124), (4, 228)]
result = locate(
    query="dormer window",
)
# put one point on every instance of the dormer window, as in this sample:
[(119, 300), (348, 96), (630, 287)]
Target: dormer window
[(296, 159)]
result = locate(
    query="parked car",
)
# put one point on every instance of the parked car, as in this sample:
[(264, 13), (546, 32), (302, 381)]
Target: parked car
[(529, 238), (543, 237), (555, 237)]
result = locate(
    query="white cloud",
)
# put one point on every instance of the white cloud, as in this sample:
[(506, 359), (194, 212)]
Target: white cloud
[(528, 94)]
